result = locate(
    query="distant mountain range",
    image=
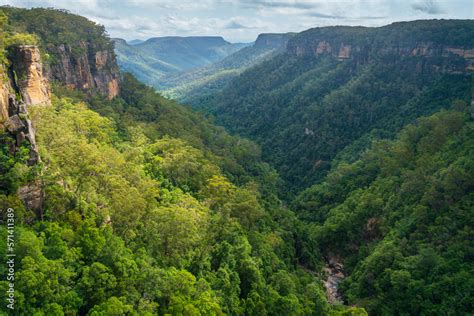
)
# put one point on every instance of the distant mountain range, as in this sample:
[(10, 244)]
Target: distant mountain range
[(153, 60), (135, 42), (191, 68), (195, 86)]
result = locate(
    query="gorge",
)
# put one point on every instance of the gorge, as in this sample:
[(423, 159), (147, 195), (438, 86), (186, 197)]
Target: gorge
[(326, 172)]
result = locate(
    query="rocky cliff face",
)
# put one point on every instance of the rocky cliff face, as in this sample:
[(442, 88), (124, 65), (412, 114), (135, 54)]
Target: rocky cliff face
[(24, 84), (30, 79), (334, 270), (364, 45), (84, 67), (439, 58), (4, 92)]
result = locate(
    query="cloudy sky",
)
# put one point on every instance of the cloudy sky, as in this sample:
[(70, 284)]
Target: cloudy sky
[(243, 20)]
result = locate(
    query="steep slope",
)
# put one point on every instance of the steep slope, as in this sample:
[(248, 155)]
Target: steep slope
[(398, 219), (195, 86), (77, 53), (24, 86), (336, 88), (156, 58), (146, 208), (147, 68)]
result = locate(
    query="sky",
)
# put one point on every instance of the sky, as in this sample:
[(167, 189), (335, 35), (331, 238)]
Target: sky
[(243, 20)]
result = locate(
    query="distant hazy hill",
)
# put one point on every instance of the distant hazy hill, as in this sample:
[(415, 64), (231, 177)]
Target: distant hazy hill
[(135, 42), (151, 60), (193, 87)]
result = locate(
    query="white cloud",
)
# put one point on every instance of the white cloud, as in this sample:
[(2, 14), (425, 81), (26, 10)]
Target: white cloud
[(427, 6), (243, 20)]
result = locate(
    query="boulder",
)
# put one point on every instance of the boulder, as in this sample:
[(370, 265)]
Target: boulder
[(14, 124)]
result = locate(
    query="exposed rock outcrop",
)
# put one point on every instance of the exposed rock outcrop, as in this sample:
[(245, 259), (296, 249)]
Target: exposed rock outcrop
[(82, 66), (363, 45), (20, 127), (24, 79), (32, 196), (14, 124), (323, 47), (4, 92), (334, 275), (439, 58), (30, 79), (344, 52)]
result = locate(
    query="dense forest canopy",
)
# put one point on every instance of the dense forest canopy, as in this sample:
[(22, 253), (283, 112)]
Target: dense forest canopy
[(306, 110), (56, 27), (401, 215), (149, 208), (153, 209), (450, 33)]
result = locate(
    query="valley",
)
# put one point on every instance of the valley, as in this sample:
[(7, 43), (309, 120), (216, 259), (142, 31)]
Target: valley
[(322, 172)]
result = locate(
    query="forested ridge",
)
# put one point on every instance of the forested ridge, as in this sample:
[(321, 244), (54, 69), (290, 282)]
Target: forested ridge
[(306, 106), (148, 209), (196, 86), (401, 216), (160, 61), (153, 209)]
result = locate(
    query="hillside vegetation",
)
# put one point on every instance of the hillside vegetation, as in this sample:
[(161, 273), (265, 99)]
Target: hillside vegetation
[(156, 59), (151, 209), (400, 216), (148, 209), (196, 86), (306, 110)]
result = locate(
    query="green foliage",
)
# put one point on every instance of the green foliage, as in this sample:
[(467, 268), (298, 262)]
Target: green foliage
[(195, 86), (113, 306), (158, 60), (185, 166), (21, 39), (152, 225), (56, 26), (13, 169), (306, 111), (152, 209), (141, 108), (400, 216), (3, 23)]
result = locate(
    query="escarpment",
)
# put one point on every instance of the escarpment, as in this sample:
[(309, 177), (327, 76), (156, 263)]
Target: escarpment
[(30, 79), (364, 45), (79, 52), (85, 67), (24, 84), (273, 40)]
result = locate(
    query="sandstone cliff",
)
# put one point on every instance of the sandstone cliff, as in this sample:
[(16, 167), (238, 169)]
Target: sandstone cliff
[(430, 50), (30, 78), (4, 92), (24, 84), (80, 53), (85, 67)]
